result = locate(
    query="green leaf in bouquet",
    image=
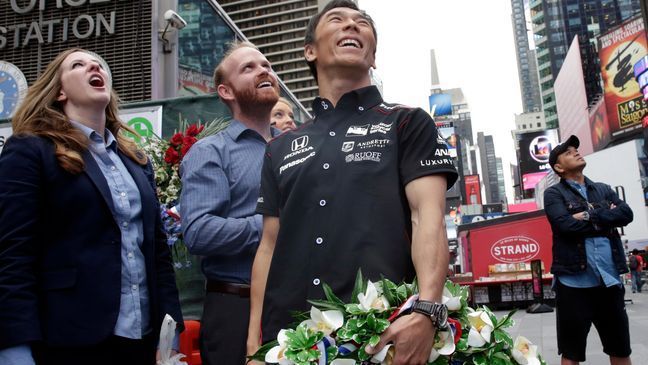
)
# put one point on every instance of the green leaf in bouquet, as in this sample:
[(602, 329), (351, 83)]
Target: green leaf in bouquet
[(480, 359), (327, 305), (462, 344), (259, 355), (502, 336), (353, 309), (500, 358), (358, 287), (441, 360), (331, 297), (331, 353), (373, 341), (507, 321), (389, 291)]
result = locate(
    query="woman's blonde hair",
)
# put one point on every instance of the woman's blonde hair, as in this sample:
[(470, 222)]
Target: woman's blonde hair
[(41, 114)]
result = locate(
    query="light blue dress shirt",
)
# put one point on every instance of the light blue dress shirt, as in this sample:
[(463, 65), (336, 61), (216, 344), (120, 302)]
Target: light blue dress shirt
[(133, 320), (600, 265)]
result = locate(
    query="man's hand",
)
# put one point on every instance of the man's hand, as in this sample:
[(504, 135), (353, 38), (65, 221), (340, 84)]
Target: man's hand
[(579, 216), (252, 348), (412, 336)]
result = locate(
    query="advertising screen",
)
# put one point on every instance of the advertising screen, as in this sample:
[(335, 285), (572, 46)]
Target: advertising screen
[(599, 126), (440, 104), (619, 50), (447, 132), (473, 190), (534, 149)]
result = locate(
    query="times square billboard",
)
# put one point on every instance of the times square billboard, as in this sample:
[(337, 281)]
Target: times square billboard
[(619, 50), (533, 155)]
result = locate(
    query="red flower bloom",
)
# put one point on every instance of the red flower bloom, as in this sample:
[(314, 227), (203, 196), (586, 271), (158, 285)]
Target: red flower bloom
[(176, 140), (171, 156), (193, 130), (187, 142)]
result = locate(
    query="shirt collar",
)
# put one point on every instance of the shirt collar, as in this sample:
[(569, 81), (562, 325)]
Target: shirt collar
[(236, 129), (94, 137), (359, 100)]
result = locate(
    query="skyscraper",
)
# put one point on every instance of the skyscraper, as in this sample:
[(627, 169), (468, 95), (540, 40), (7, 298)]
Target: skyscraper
[(277, 27), (526, 59), (491, 172), (556, 23)]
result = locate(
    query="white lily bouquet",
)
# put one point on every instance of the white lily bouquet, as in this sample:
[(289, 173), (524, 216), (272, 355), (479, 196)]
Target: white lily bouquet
[(336, 333)]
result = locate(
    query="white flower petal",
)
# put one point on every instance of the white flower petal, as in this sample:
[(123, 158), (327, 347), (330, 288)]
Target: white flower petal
[(282, 338), (448, 348), (310, 324), (486, 319), (486, 333), (475, 339), (380, 356), (519, 357), (453, 303), (316, 314), (434, 354), (272, 356), (334, 318)]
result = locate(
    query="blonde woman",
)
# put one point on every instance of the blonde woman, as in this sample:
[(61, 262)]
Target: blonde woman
[(85, 273), (282, 116)]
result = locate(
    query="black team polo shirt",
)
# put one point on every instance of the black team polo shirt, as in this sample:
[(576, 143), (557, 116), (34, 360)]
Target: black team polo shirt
[(337, 185)]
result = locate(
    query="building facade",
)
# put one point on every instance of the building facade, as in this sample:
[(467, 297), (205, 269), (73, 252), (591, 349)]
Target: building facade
[(526, 58), (491, 176), (556, 23), (277, 27)]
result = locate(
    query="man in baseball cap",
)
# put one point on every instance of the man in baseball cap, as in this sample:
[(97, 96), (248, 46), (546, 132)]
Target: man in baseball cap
[(588, 258), (572, 141)]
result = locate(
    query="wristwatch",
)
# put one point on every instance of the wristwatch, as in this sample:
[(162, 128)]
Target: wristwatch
[(586, 216), (437, 312)]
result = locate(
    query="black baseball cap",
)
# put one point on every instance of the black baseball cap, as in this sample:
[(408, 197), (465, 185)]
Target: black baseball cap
[(572, 141)]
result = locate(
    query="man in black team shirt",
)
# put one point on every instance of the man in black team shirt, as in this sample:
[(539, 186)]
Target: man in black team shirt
[(362, 185)]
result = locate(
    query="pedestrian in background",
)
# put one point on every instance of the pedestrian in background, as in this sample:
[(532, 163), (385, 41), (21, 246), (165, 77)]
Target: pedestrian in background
[(282, 116), (636, 265), (85, 269), (588, 258)]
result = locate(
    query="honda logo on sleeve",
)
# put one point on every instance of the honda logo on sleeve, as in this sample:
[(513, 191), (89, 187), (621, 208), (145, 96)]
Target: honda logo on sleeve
[(299, 143)]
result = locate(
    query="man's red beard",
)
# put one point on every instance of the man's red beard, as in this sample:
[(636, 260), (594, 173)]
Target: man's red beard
[(256, 101)]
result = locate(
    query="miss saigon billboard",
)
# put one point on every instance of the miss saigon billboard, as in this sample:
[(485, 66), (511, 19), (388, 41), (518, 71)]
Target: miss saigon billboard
[(619, 50)]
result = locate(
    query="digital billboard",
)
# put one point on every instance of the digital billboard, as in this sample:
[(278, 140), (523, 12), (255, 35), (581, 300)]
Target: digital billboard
[(599, 126), (447, 132), (534, 149), (440, 104), (473, 189), (619, 50)]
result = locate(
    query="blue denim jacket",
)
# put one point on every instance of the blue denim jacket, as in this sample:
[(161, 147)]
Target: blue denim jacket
[(569, 234)]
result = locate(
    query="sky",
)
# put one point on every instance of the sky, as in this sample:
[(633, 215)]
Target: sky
[(473, 41)]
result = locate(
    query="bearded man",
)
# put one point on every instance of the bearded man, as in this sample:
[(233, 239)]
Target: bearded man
[(221, 175)]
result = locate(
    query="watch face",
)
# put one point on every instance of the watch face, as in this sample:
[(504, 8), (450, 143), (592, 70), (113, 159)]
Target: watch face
[(13, 87)]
